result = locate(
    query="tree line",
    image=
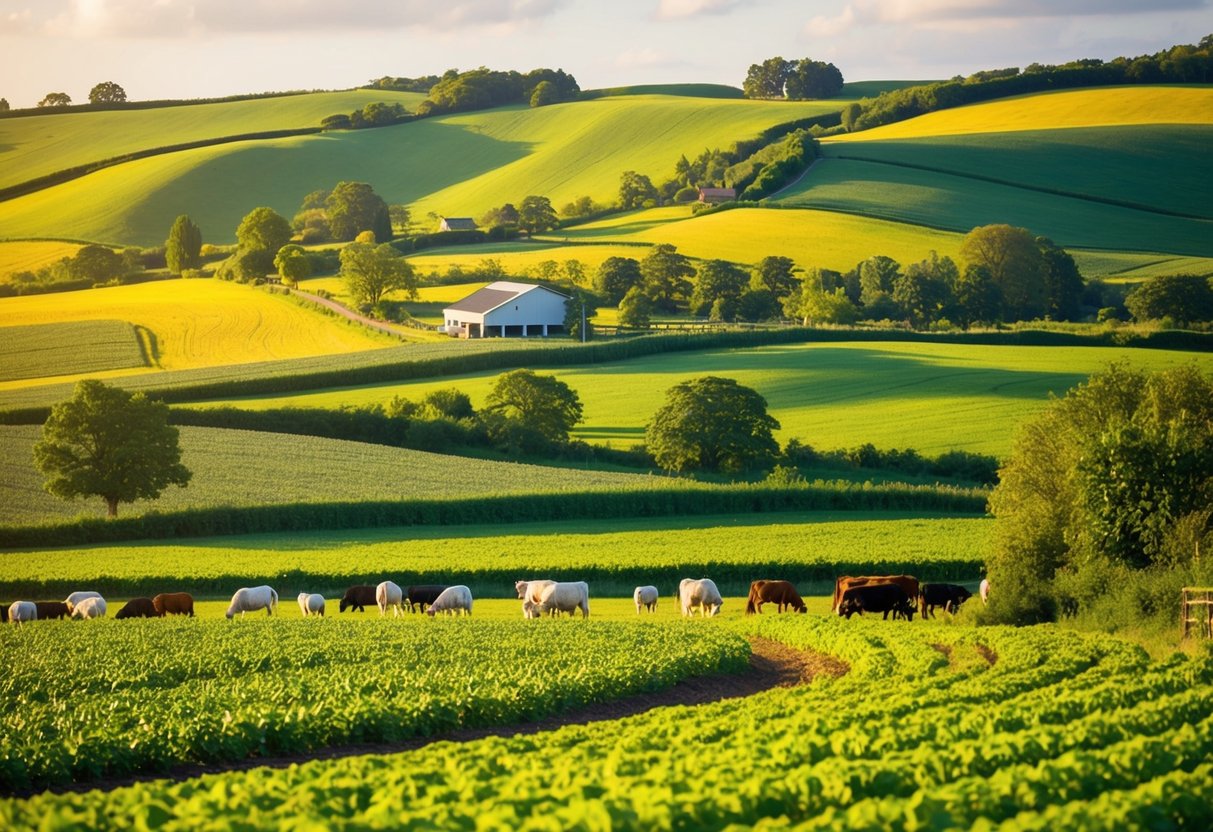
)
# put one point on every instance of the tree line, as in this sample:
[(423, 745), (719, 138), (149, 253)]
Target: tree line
[(799, 80)]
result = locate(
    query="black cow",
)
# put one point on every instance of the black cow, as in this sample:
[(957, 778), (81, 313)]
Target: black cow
[(948, 596), (3, 613), (882, 598), (420, 597), (51, 609), (358, 597)]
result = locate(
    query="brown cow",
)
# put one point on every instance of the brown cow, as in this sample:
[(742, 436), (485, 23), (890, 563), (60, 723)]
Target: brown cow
[(908, 583), (781, 593), (358, 597), (51, 609), (174, 603), (138, 608)]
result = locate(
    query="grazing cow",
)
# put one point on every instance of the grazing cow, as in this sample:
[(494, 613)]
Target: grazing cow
[(389, 594), (908, 584), (454, 600), (174, 603), (251, 599), (20, 612), (358, 598), (565, 596), (780, 593), (311, 604), (138, 608), (948, 596), (51, 609), (646, 597), (529, 593), (984, 590), (90, 608), (76, 597), (700, 594), (420, 597), (882, 598)]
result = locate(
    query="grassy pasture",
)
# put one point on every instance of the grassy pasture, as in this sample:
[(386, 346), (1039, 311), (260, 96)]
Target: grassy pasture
[(234, 468), (453, 165), (199, 323), (614, 555), (31, 255), (932, 397), (689, 90), (929, 198), (68, 348), (34, 146)]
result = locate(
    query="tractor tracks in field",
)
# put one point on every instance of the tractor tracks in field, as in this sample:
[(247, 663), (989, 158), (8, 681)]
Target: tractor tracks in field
[(772, 665)]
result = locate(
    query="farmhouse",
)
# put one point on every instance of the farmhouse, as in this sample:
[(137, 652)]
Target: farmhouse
[(714, 196), (505, 309), (457, 224)]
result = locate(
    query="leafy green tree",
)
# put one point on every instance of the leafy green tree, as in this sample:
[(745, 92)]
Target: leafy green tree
[(55, 99), (4, 105), (813, 306), (635, 190), (504, 217), (354, 207), (665, 275), (717, 280), (109, 443), (977, 296), (925, 291), (545, 93), (756, 305), (1063, 282), (372, 271), (400, 217), (107, 92), (449, 403), (877, 275), (1016, 265), (536, 214), (712, 424), (183, 247), (615, 277), (813, 79), (635, 309), (579, 309), (777, 275), (293, 264), (1184, 298), (95, 263), (767, 79), (542, 403), (263, 230), (850, 115)]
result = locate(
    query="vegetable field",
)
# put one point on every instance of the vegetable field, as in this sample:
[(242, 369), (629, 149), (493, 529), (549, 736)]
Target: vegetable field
[(143, 695), (934, 727), (67, 349)]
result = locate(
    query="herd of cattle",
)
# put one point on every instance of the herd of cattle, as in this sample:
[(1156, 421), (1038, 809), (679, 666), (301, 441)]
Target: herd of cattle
[(896, 595)]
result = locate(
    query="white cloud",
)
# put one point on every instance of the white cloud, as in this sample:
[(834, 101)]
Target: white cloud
[(682, 9), (176, 18)]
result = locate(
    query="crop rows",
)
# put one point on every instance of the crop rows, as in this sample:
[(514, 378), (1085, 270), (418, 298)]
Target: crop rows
[(68, 348), (80, 702), (1060, 730)]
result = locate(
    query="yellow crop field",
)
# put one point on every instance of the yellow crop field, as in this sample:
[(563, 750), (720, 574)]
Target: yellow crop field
[(31, 255), (1098, 107), (200, 323)]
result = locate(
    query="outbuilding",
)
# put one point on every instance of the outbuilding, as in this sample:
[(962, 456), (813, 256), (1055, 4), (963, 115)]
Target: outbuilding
[(506, 309), (457, 224), (715, 196)]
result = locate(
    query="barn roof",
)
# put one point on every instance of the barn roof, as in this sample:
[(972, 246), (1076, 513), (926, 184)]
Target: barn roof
[(729, 192), (495, 294), (459, 223)]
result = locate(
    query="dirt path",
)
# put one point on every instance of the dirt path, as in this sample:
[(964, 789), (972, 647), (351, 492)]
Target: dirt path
[(348, 313), (772, 665)]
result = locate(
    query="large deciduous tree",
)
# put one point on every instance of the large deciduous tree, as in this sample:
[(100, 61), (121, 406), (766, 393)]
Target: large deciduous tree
[(293, 264), (714, 281), (1184, 298), (813, 79), (665, 275), (712, 424), (536, 214), (109, 443), (55, 99), (635, 190), (183, 247), (107, 92), (544, 404), (264, 230), (767, 79), (95, 263), (775, 274), (354, 207), (372, 271), (1016, 266), (616, 277)]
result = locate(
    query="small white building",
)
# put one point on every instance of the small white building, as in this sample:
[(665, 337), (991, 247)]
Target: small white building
[(457, 224), (505, 309)]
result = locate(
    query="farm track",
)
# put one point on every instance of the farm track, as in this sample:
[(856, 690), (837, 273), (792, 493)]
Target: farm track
[(772, 665)]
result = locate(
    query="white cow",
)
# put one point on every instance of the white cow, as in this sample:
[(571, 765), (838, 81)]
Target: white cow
[(454, 600), (528, 592), (76, 597), (21, 611), (565, 597), (311, 604), (251, 599), (646, 597), (93, 607), (700, 594), (389, 594), (984, 590)]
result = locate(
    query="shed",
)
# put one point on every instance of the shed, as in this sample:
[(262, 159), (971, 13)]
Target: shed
[(714, 196), (506, 309), (457, 224)]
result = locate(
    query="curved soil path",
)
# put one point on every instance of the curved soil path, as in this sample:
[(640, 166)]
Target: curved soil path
[(772, 665), (347, 313)]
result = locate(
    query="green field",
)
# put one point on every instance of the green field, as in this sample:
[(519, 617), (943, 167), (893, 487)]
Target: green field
[(67, 349), (933, 726), (614, 555), (235, 468), (455, 165), (38, 145), (932, 397)]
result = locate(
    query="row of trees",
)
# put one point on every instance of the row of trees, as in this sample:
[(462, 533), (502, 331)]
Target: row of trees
[(794, 80), (483, 88), (344, 211), (107, 92), (533, 215)]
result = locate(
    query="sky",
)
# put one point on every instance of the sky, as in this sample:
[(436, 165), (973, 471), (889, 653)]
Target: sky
[(206, 48)]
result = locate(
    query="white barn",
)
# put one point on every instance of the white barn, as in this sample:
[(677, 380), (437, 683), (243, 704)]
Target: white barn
[(505, 309)]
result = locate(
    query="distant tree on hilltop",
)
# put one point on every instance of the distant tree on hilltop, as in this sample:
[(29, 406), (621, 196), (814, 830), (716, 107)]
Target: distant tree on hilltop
[(55, 99), (184, 244), (107, 92)]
